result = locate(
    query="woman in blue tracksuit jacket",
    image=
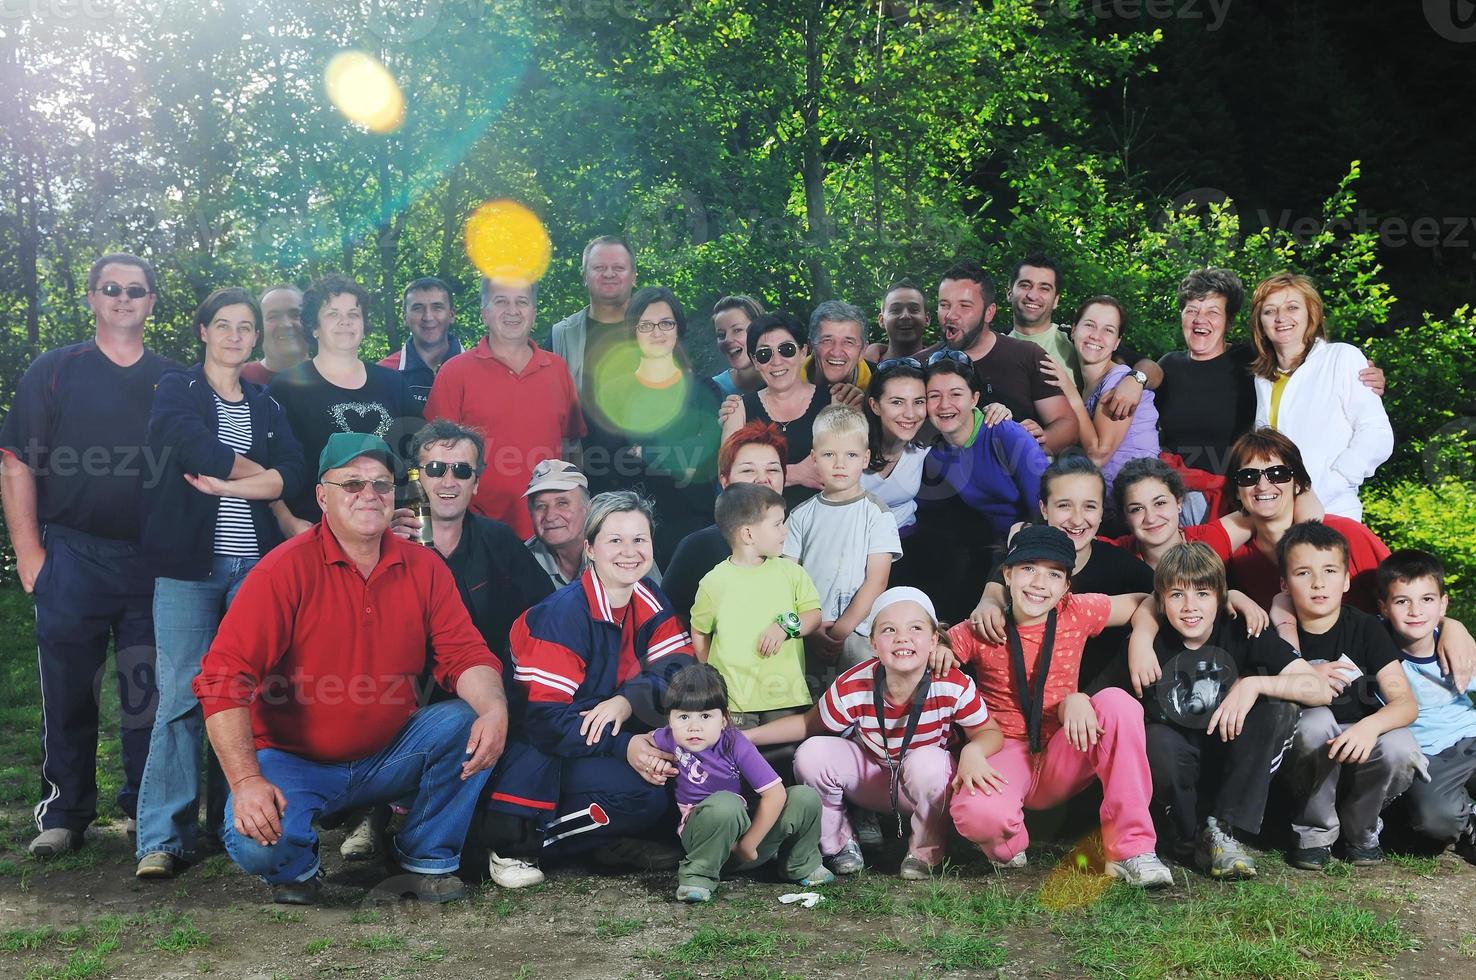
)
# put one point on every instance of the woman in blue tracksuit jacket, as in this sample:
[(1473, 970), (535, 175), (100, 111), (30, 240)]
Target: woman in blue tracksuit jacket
[(591, 665), (224, 451)]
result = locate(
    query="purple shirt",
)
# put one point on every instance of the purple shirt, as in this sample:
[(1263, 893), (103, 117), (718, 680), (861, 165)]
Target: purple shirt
[(726, 766), (1142, 435)]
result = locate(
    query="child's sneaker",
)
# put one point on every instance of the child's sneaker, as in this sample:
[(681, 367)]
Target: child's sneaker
[(915, 868), (820, 876), (1141, 871), (848, 859), (1364, 857), (693, 894), (1220, 855), (1309, 858), (865, 827), (1018, 861)]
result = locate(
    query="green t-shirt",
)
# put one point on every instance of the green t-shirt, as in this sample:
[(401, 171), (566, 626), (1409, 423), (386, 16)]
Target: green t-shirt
[(1057, 343), (734, 606)]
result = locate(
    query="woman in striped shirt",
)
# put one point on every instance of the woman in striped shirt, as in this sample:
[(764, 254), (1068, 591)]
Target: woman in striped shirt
[(222, 451)]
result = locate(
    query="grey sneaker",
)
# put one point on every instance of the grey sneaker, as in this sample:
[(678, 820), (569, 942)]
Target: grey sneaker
[(1220, 855), (1141, 871), (693, 894), (848, 859), (915, 868), (1018, 861), (56, 841), (866, 827), (820, 876)]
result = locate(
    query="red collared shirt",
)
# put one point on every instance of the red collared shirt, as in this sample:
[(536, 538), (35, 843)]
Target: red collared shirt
[(527, 415), (328, 661)]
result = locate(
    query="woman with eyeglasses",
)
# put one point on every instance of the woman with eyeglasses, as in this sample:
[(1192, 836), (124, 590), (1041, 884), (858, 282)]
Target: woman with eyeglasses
[(981, 476), (662, 421), (334, 391), (732, 316), (1309, 389), (776, 345), (228, 452)]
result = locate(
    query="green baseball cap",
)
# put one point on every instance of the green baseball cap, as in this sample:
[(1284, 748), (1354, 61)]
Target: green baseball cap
[(343, 448)]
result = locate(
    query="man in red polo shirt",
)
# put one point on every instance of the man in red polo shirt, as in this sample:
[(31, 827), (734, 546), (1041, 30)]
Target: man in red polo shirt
[(309, 690), (521, 397)]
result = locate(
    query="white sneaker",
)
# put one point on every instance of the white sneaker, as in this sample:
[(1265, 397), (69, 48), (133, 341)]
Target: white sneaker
[(866, 827), (1142, 871), (363, 841), (513, 872), (1018, 861)]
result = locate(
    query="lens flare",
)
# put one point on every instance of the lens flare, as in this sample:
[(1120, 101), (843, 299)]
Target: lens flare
[(506, 241), (618, 401), (362, 88)]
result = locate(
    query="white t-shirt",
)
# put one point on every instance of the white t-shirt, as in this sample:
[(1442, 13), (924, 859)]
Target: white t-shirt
[(832, 542), (898, 489)]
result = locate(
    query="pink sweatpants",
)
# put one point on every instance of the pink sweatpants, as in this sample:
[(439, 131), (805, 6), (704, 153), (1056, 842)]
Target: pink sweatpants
[(841, 771), (1119, 759)]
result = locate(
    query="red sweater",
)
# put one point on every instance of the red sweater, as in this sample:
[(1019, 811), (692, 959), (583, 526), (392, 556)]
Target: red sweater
[(329, 662)]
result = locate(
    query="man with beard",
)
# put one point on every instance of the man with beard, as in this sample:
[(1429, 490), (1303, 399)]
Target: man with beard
[(904, 318), (282, 343), (1008, 370)]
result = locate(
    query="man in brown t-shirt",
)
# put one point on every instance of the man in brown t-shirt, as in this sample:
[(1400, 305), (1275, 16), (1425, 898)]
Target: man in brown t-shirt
[(1008, 370)]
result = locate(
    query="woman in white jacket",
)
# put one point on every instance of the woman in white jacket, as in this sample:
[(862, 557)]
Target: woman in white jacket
[(1308, 388)]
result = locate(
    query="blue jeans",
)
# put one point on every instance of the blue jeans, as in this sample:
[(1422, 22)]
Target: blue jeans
[(424, 760), (186, 616)]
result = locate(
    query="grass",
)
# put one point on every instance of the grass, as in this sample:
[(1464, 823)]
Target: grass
[(718, 944), (380, 942), (957, 951), (618, 928), (183, 937), (316, 946)]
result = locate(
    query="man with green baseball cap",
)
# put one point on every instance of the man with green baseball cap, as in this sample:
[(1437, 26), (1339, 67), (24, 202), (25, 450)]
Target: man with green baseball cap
[(310, 690)]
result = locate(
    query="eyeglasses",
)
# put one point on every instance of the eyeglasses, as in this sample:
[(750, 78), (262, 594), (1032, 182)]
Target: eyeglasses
[(1250, 476), (353, 487), (766, 354), (437, 468), (647, 326), (896, 362), (949, 354), (112, 290)]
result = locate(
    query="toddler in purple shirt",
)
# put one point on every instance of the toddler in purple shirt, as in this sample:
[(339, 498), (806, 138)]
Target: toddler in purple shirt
[(719, 774)]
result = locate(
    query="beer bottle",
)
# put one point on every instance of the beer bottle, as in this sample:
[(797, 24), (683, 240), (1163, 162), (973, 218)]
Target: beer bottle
[(419, 501)]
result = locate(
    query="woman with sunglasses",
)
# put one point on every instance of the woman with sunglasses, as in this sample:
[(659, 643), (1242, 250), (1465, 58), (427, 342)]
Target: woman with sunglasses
[(980, 478), (334, 391), (1309, 389), (663, 421), (229, 452), (732, 316), (776, 345)]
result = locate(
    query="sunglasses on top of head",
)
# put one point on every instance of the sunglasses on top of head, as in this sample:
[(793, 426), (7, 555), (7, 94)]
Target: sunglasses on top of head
[(765, 354), (898, 362), (437, 468), (1249, 476), (949, 354), (112, 290)]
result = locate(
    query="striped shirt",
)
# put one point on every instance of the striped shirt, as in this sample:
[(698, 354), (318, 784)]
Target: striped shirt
[(848, 706), (235, 534)]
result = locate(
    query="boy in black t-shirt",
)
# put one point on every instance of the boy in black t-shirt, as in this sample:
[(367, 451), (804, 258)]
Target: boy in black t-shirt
[(1351, 758), (1219, 716)]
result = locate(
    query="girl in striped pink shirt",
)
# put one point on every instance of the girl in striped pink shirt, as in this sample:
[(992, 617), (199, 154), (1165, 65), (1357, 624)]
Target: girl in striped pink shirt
[(878, 738)]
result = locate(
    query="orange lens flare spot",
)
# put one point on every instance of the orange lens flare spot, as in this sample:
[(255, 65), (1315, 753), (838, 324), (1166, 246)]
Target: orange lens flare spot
[(506, 242)]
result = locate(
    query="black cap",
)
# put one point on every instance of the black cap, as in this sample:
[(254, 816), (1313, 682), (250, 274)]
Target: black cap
[(1041, 542)]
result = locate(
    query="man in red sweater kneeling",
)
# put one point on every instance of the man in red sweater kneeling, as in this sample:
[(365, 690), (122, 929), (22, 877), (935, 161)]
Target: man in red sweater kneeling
[(310, 690)]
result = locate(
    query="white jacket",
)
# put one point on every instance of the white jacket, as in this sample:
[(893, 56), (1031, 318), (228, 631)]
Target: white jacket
[(1339, 424)]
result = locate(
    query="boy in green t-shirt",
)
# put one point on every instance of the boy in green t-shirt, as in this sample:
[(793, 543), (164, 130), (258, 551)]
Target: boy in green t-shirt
[(752, 609)]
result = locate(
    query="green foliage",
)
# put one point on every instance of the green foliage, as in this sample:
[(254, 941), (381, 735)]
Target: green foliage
[(1439, 519), (1429, 367)]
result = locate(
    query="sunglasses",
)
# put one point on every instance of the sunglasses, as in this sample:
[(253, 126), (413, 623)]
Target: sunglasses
[(766, 354), (896, 362), (352, 487), (1250, 476), (949, 354), (437, 468), (112, 290)]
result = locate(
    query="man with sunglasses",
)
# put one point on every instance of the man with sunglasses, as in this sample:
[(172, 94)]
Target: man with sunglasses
[(73, 468), (312, 698)]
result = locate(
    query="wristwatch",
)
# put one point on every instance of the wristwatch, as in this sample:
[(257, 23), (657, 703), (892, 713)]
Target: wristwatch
[(1139, 377), (790, 623)]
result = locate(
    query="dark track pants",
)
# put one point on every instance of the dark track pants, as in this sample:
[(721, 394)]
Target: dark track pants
[(91, 590), (1234, 778)]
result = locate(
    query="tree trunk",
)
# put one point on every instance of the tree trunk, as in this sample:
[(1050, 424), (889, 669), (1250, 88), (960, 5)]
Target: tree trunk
[(813, 166)]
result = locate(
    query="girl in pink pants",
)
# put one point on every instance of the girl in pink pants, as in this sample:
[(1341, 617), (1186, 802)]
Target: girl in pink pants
[(1057, 739), (899, 714)]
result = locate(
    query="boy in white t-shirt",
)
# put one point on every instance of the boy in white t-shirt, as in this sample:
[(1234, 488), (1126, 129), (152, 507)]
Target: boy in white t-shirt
[(844, 537)]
